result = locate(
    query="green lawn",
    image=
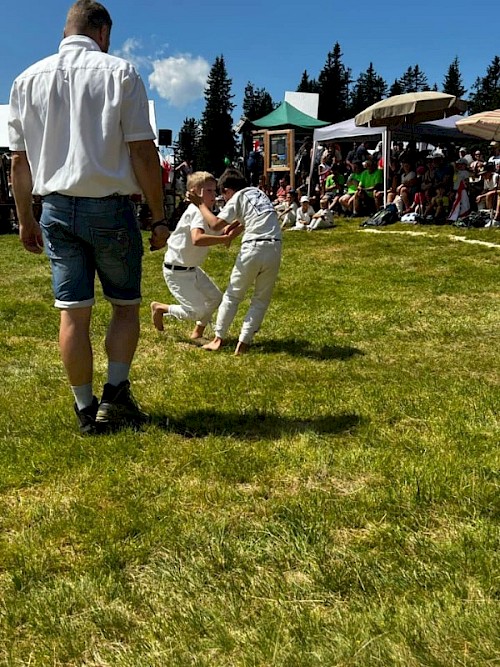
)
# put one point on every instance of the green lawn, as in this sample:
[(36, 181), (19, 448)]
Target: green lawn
[(330, 499)]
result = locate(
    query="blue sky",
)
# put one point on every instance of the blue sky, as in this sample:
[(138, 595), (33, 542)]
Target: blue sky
[(174, 44)]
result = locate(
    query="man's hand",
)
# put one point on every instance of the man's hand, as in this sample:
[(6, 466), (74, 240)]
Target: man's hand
[(30, 235), (159, 236)]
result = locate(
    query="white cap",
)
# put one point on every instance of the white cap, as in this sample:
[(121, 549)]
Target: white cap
[(304, 199)]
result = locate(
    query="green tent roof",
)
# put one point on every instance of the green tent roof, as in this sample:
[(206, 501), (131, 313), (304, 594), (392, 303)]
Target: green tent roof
[(287, 116)]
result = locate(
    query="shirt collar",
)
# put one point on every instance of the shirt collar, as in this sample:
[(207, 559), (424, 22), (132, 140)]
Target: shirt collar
[(81, 41)]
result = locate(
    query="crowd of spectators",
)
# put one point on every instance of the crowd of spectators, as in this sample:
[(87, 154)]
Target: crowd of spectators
[(439, 186)]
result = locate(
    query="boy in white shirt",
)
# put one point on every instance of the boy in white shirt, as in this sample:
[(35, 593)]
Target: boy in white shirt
[(322, 219), (259, 258), (304, 215), (187, 247)]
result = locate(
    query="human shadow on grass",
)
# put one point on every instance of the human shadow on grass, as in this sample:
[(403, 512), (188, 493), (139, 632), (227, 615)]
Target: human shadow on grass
[(306, 348), (255, 425)]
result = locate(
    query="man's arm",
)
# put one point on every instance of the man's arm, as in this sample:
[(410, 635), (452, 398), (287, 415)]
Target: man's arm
[(22, 186), (147, 170)]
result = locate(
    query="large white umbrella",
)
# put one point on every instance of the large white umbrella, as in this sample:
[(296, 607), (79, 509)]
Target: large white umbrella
[(411, 108), (485, 125)]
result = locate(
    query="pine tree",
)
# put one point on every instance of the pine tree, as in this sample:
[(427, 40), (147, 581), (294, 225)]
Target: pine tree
[(453, 84), (368, 89), (413, 80), (257, 102), (217, 139), (308, 85), (334, 80), (486, 93), (187, 144), (396, 88)]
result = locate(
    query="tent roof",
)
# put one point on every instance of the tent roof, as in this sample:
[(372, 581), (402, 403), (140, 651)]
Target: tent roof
[(287, 116), (347, 129)]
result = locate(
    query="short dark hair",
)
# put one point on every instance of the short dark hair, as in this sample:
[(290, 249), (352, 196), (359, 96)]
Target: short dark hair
[(232, 179)]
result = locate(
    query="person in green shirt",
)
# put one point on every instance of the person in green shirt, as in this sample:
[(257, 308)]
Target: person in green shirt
[(369, 193)]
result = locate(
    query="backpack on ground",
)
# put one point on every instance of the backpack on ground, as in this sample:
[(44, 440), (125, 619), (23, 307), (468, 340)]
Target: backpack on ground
[(386, 216)]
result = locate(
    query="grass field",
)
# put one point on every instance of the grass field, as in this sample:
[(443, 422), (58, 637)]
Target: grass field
[(330, 499)]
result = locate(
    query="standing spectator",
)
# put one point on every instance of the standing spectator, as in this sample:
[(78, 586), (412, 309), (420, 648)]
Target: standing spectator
[(80, 135)]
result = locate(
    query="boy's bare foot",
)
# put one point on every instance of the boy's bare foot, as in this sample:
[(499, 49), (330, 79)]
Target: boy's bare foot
[(214, 345), (241, 348), (157, 312), (197, 332)]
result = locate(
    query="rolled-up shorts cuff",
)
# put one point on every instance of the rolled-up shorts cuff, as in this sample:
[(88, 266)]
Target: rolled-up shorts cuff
[(123, 302), (72, 305)]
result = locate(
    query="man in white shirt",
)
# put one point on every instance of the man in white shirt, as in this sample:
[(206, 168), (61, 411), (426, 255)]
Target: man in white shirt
[(81, 139)]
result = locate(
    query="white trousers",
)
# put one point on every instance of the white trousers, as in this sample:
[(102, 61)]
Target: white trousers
[(257, 264), (197, 295)]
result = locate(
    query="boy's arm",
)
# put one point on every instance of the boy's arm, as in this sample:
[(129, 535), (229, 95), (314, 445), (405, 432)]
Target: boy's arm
[(212, 220), (200, 238)]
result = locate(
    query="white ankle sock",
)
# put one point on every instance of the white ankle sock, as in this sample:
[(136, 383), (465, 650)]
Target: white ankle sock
[(83, 395), (117, 372)]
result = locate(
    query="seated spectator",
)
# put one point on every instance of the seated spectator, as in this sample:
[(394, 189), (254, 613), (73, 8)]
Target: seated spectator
[(443, 170), (324, 170), (439, 205), (461, 203), (407, 186), (490, 185), (495, 221), (464, 154), (304, 215), (289, 214), (367, 199), (477, 163), (334, 186), (347, 200), (281, 192), (393, 178), (323, 218), (495, 154)]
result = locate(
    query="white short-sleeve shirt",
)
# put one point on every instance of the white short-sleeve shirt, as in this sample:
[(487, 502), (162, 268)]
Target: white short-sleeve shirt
[(180, 248), (255, 211), (73, 113)]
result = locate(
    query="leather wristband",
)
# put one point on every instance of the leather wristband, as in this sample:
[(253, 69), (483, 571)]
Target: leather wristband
[(159, 223)]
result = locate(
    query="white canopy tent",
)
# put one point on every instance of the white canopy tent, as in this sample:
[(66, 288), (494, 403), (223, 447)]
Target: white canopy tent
[(424, 132)]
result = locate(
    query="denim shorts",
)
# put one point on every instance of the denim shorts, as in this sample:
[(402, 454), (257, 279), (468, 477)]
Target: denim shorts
[(85, 235)]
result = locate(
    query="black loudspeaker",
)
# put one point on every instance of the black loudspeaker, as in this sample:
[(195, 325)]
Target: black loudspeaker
[(165, 137)]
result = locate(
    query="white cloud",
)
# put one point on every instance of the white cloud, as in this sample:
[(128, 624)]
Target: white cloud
[(129, 52), (180, 79)]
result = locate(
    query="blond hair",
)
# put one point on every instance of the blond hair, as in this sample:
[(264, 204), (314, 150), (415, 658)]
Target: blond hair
[(198, 178)]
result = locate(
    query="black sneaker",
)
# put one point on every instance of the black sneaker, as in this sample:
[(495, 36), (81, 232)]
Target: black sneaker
[(119, 408), (86, 417)]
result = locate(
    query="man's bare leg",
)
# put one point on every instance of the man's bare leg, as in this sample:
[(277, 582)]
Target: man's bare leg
[(241, 348), (74, 345), (214, 345), (157, 312)]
